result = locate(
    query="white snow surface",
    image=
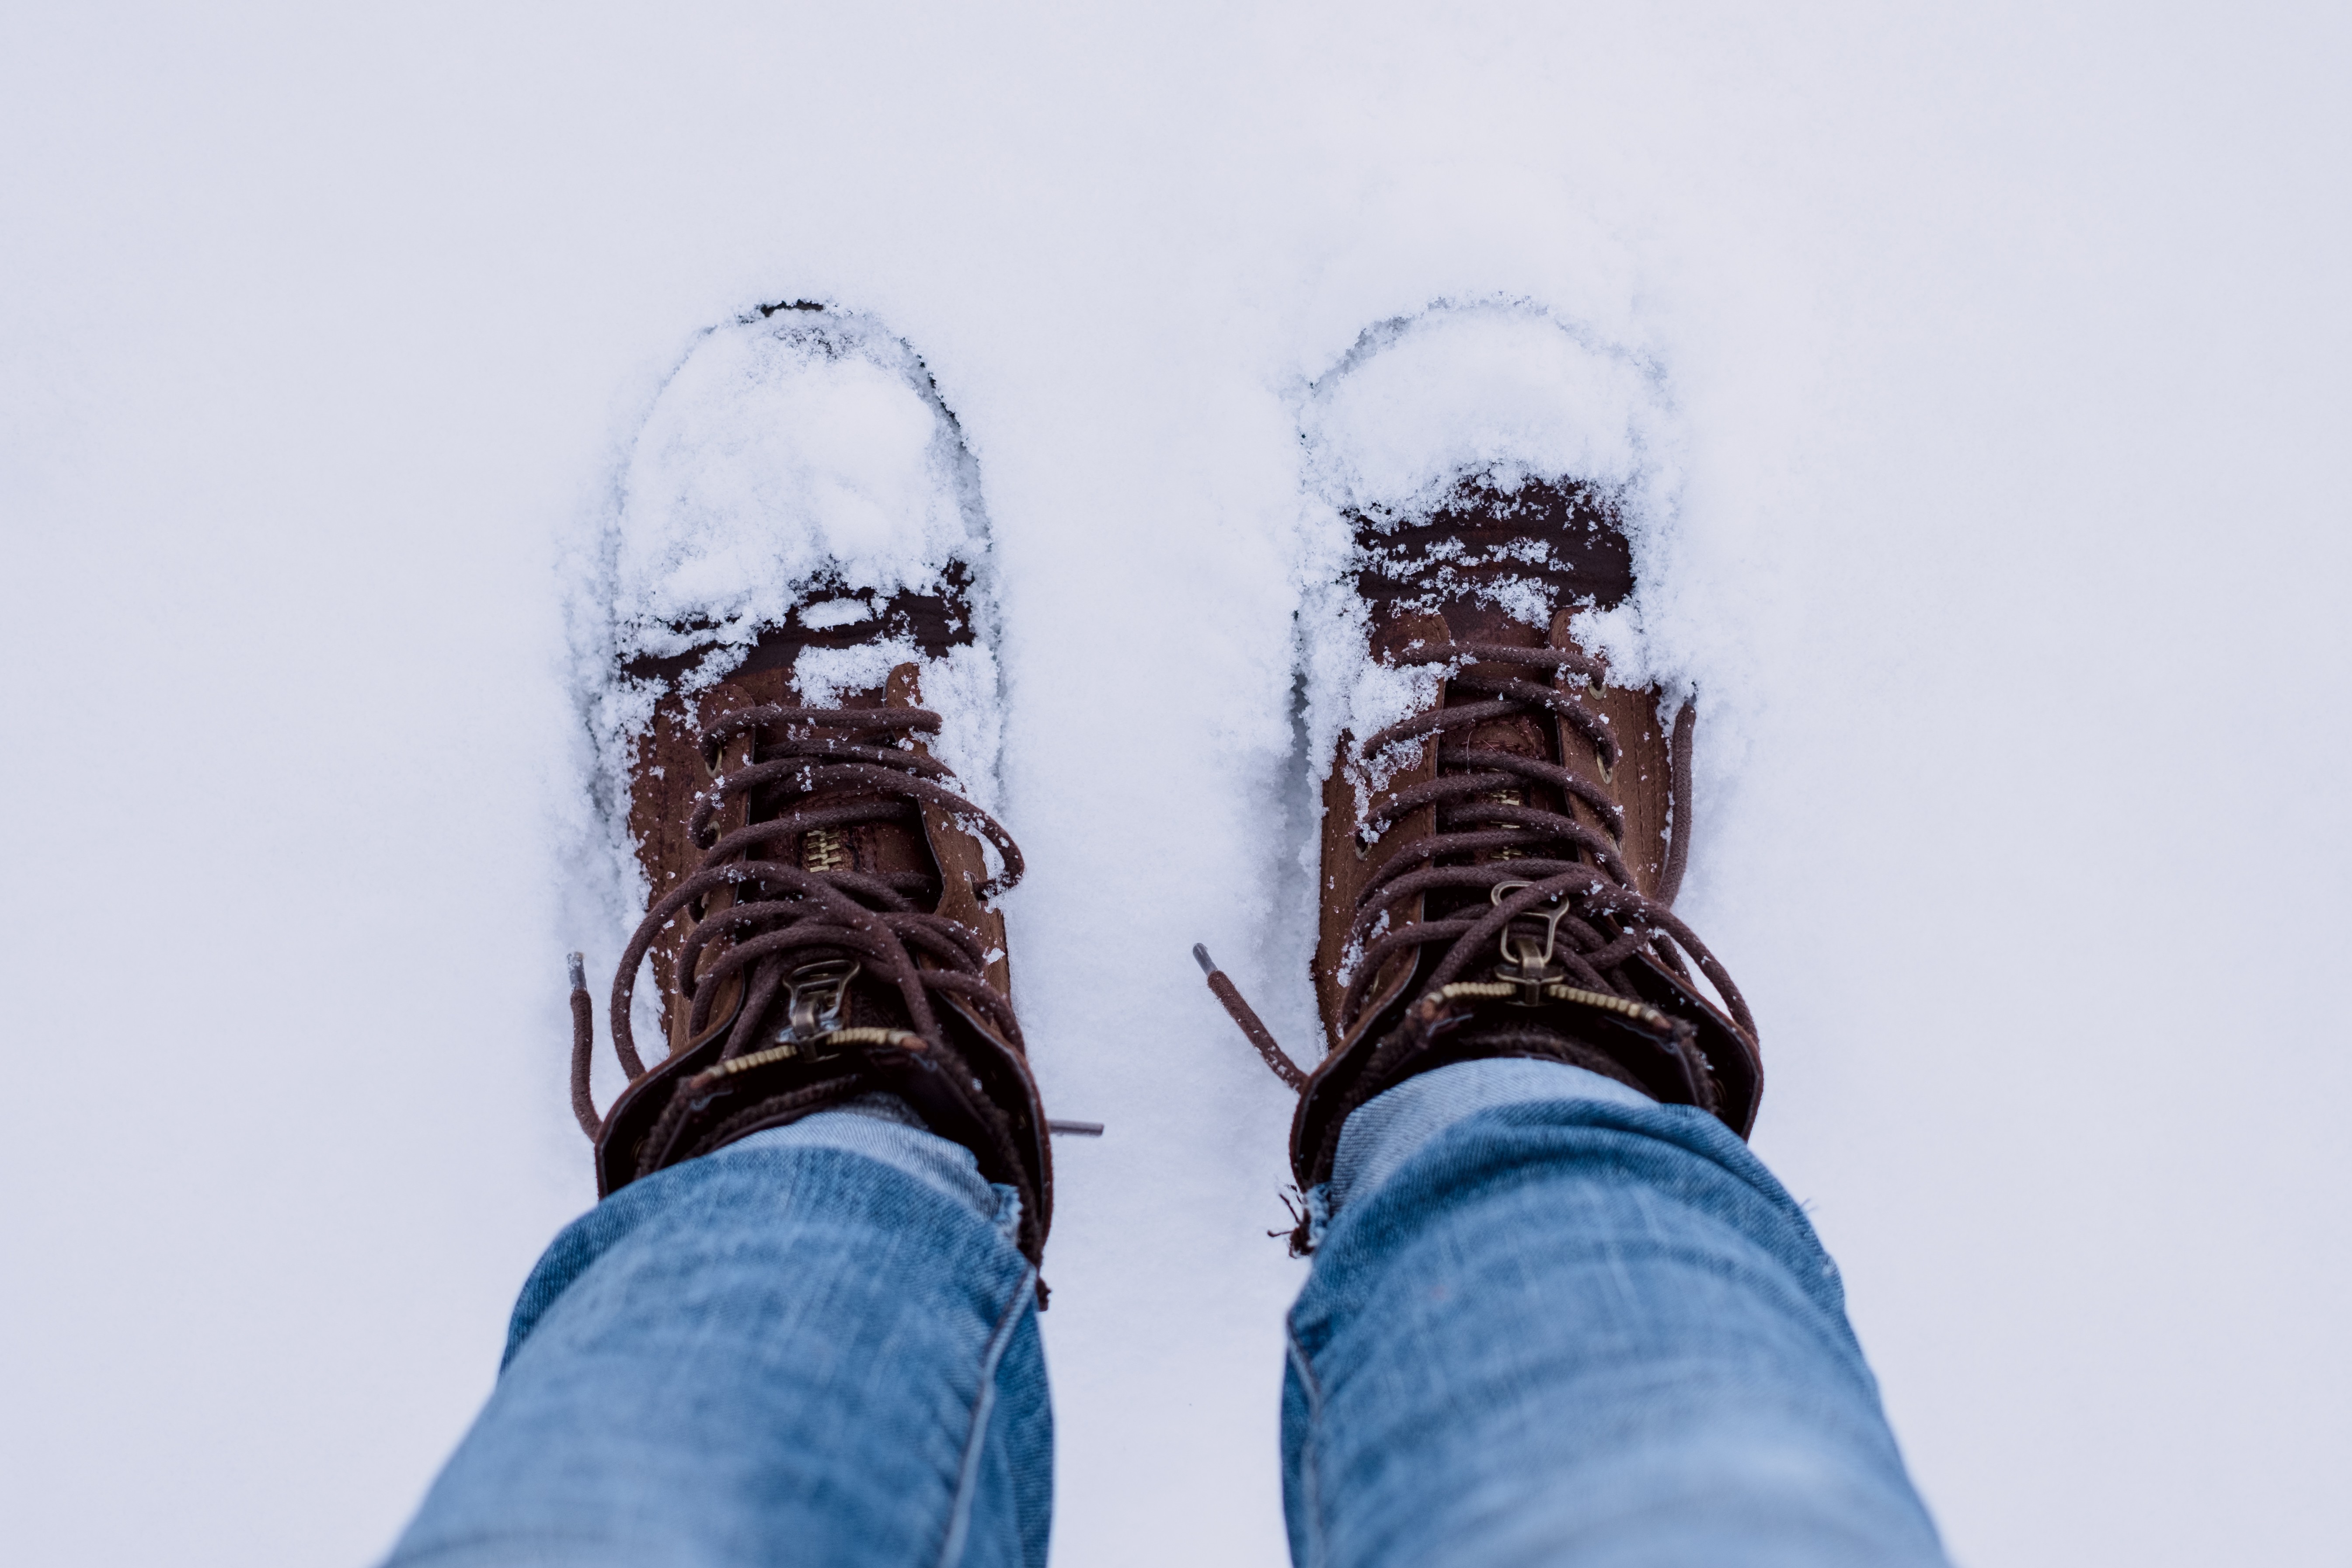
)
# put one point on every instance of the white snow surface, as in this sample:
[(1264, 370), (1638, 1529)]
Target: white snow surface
[(2001, 360)]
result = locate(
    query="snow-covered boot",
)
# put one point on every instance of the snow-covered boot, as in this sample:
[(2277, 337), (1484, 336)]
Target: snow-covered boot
[(1505, 827), (808, 686)]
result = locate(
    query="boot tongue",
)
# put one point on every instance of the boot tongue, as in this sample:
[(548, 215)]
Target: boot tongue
[(1518, 734), (864, 848), (870, 849)]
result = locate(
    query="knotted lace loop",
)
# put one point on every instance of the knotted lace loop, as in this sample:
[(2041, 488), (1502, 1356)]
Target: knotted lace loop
[(1489, 833), (781, 913)]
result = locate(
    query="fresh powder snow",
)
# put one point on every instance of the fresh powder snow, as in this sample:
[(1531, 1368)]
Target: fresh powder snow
[(1501, 391), (792, 442)]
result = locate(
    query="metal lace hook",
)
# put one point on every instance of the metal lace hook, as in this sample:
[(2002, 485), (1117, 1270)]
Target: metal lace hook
[(1525, 957), (817, 991)]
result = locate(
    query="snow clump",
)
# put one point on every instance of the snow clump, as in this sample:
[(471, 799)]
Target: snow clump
[(790, 448), (1500, 390)]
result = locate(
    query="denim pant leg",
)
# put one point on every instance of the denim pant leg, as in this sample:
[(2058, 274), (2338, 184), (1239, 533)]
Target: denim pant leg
[(1552, 1321), (816, 1346)]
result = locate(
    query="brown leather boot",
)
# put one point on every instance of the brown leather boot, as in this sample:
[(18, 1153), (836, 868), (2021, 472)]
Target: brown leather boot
[(819, 924), (1499, 864)]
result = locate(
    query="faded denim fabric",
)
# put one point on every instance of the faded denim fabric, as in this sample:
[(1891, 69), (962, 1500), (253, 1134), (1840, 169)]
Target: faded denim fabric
[(815, 1346), (1552, 1321)]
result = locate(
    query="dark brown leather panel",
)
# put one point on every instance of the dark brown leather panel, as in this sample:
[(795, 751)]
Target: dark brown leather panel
[(1348, 865)]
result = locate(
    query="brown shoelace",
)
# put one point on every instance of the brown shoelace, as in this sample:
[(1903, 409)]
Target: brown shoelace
[(1545, 870), (1481, 795), (778, 914)]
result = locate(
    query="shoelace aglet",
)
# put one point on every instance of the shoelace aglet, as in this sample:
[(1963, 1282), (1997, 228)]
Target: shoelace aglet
[(1075, 1129), (1254, 1027), (583, 1044)]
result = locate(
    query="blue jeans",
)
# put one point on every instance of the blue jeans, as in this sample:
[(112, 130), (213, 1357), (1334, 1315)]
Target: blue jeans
[(1550, 1321)]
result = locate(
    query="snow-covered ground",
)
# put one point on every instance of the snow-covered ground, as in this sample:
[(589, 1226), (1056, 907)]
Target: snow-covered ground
[(2008, 349)]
